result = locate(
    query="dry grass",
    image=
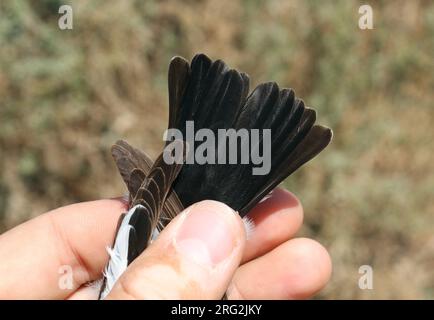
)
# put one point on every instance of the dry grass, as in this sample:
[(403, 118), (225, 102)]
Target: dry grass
[(66, 96)]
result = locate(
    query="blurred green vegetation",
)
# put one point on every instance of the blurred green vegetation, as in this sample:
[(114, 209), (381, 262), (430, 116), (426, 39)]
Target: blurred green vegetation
[(66, 96)]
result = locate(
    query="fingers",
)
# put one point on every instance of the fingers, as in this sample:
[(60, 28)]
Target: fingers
[(297, 269), (33, 254), (86, 292), (195, 257), (276, 220), (77, 235)]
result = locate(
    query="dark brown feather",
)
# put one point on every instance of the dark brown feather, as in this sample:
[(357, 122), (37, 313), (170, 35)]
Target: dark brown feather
[(134, 165), (179, 72), (157, 185)]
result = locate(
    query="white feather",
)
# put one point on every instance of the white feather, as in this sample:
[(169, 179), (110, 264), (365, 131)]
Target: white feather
[(249, 226), (155, 235), (118, 254)]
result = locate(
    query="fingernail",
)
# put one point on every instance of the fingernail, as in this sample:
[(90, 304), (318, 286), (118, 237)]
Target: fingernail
[(206, 234)]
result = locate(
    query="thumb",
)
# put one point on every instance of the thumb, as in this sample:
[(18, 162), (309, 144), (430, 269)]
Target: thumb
[(194, 257)]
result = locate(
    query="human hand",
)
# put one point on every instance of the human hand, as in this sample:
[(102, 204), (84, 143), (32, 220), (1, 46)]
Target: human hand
[(271, 264)]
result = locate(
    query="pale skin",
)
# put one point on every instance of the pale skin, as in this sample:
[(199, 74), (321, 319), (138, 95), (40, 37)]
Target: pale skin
[(272, 264)]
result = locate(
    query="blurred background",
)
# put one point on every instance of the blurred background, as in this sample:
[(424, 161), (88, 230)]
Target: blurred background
[(66, 96)]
